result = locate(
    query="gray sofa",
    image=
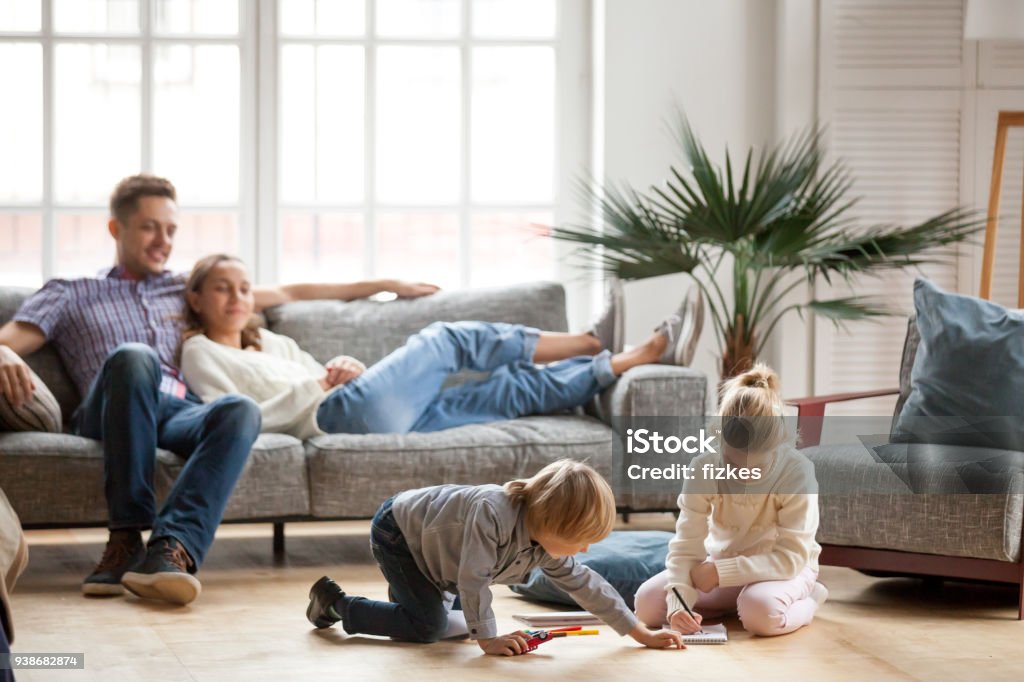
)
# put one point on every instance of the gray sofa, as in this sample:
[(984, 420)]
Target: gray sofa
[(934, 510), (57, 479)]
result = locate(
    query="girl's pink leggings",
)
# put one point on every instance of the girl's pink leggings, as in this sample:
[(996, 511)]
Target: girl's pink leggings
[(772, 607)]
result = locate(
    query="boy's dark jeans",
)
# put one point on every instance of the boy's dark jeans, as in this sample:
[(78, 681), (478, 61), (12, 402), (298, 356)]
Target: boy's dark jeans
[(417, 611)]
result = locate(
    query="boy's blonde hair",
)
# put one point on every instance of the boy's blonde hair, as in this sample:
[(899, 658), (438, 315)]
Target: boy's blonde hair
[(754, 397), (567, 499)]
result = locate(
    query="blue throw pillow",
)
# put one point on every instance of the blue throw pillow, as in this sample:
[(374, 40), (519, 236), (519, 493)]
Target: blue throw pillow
[(626, 559), (967, 383)]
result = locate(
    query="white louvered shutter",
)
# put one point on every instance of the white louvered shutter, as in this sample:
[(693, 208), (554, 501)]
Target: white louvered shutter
[(892, 43), (891, 93)]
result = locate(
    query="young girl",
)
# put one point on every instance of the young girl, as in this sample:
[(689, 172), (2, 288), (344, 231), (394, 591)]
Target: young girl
[(433, 544), (403, 392), (747, 546)]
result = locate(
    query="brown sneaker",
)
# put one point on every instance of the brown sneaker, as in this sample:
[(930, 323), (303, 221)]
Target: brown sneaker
[(164, 574), (124, 549)]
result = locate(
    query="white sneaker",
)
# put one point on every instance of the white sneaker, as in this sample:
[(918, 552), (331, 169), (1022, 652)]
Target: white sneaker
[(683, 328), (609, 327)]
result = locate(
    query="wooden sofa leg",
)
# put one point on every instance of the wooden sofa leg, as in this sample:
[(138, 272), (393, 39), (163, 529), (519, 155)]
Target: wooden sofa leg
[(279, 539), (1020, 598)]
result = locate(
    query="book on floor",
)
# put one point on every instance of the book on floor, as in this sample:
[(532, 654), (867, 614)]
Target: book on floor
[(555, 619)]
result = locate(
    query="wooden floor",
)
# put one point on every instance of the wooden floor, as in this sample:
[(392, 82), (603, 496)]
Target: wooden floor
[(249, 624)]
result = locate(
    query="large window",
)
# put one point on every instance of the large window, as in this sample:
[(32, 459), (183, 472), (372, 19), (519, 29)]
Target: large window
[(319, 139)]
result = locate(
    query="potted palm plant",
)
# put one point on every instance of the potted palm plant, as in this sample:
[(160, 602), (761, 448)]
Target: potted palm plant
[(780, 221)]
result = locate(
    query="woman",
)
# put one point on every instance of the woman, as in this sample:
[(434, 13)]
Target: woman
[(223, 352)]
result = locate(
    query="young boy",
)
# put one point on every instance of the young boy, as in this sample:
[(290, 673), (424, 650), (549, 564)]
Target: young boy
[(438, 542)]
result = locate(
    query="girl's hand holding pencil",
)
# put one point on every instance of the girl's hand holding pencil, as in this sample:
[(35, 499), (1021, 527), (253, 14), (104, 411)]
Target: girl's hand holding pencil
[(684, 622)]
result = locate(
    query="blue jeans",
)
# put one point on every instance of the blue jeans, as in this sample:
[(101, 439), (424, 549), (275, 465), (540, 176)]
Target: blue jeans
[(127, 411), (418, 611), (403, 392)]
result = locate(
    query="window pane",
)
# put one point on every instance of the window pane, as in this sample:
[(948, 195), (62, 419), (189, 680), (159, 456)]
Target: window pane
[(323, 17), (20, 15), (322, 247), (195, 121), (217, 17), (96, 16), (514, 18), (322, 123), (418, 124), (21, 126), (84, 246), (200, 234), (97, 119), (511, 247), (419, 246), (419, 18), (21, 249), (513, 130)]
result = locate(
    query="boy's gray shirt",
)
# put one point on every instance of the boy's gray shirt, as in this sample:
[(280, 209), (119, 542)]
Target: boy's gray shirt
[(464, 538)]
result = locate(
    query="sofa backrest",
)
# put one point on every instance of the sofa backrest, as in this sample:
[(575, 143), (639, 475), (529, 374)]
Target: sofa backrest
[(369, 330), (45, 362), (910, 344)]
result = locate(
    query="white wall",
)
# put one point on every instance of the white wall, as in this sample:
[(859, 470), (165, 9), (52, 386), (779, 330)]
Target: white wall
[(715, 58)]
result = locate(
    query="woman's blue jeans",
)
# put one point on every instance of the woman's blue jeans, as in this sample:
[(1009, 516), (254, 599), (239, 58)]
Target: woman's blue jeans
[(403, 392)]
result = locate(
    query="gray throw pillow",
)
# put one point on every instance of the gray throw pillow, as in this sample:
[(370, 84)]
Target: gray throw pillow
[(967, 384), (40, 413)]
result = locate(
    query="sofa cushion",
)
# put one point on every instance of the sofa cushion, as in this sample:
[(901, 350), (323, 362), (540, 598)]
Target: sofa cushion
[(967, 382), (866, 501), (626, 559), (351, 475), (45, 362), (40, 412), (274, 482), (58, 478), (369, 330), (53, 478)]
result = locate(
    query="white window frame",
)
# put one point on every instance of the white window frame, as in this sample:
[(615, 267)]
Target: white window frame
[(572, 135), (258, 207), (49, 208)]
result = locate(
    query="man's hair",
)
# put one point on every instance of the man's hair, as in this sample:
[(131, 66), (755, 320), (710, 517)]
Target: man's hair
[(567, 499), (125, 199)]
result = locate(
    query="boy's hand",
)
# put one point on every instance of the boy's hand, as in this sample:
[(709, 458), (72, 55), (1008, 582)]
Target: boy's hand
[(657, 639), (683, 622), (704, 576), (506, 645)]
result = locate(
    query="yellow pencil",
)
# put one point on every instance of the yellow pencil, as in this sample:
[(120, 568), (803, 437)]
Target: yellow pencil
[(574, 633)]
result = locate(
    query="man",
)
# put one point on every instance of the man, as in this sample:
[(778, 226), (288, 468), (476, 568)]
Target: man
[(117, 335)]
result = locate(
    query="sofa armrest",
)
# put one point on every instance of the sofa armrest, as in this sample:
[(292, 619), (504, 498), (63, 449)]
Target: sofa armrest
[(810, 411), (656, 391)]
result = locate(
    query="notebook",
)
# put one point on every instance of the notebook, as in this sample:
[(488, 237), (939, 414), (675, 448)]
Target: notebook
[(555, 619), (709, 634)]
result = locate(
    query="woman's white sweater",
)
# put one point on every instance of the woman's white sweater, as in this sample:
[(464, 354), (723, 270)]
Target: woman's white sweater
[(753, 531), (282, 378)]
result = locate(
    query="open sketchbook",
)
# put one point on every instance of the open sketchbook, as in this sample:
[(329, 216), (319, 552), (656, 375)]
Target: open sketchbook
[(557, 619), (709, 634)]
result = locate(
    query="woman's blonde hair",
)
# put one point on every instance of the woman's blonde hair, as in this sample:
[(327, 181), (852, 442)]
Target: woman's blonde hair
[(567, 499), (751, 410), (191, 324)]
